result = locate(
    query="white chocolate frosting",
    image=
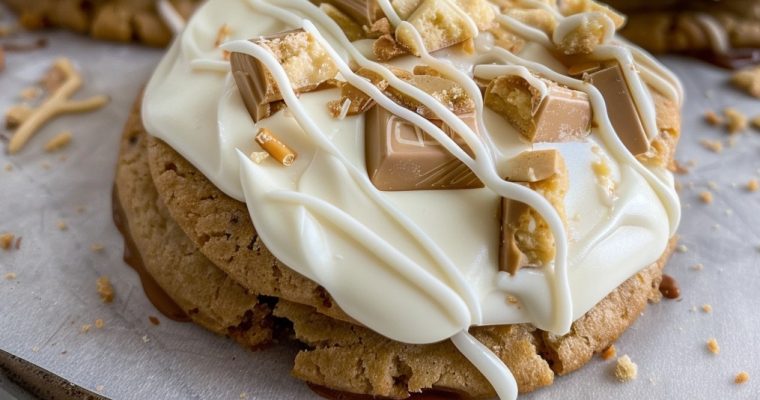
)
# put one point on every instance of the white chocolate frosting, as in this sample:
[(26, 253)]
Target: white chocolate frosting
[(418, 266)]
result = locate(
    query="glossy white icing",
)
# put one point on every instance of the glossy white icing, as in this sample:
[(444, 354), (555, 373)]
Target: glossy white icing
[(419, 266)]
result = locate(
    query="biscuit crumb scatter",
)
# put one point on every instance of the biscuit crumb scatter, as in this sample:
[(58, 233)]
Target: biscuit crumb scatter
[(712, 118), (681, 248), (153, 320), (697, 267), (99, 323), (753, 185), (712, 346), (736, 121), (741, 377), (6, 241), (99, 388), (713, 145), (706, 197), (707, 308), (62, 225), (243, 395), (58, 142), (86, 328), (625, 369), (259, 156), (145, 339), (35, 349), (96, 247), (609, 352), (10, 276), (105, 290), (712, 185)]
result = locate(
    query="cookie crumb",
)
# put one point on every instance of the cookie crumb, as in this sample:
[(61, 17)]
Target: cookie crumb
[(706, 197), (712, 118), (713, 145), (105, 290), (609, 352), (259, 156), (697, 267), (706, 308), (8, 167), (145, 339), (712, 346), (10, 276), (62, 225), (736, 121), (86, 328), (755, 122), (753, 185), (625, 369), (153, 320), (99, 388), (30, 93), (58, 142), (741, 378), (6, 240), (681, 248), (99, 323), (748, 79), (96, 247)]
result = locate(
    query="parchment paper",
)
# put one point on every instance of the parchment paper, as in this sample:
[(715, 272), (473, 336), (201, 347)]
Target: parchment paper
[(43, 310)]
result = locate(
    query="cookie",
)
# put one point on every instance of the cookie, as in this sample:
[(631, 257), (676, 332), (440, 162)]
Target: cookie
[(115, 20), (725, 32), (346, 356), (205, 294)]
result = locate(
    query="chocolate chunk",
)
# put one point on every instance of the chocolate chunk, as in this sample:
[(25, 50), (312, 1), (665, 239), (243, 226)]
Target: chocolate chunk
[(306, 63), (445, 91), (511, 258), (401, 156), (669, 287), (555, 115), (622, 110), (534, 166), (364, 12)]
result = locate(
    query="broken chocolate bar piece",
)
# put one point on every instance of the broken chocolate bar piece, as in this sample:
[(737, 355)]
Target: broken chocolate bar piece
[(364, 12), (445, 91), (534, 166), (622, 110), (526, 239), (306, 63), (440, 25), (401, 156), (557, 114)]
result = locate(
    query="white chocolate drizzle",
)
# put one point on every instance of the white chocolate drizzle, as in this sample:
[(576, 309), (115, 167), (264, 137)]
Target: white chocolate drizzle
[(170, 16), (325, 219)]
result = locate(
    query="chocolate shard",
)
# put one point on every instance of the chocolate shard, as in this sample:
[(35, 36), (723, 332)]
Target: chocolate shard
[(622, 110), (557, 114), (511, 258), (400, 156), (306, 63), (534, 166), (364, 12)]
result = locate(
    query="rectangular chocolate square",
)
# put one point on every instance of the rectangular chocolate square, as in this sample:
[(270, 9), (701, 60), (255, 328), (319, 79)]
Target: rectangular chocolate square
[(400, 156), (622, 110)]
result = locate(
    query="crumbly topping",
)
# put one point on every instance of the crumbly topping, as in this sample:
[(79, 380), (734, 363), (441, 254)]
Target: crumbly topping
[(712, 118), (741, 378), (609, 353), (712, 346), (748, 80), (736, 121), (6, 241), (625, 369), (105, 290)]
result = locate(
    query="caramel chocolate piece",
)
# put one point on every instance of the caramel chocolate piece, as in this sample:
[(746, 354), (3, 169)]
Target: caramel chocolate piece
[(361, 102), (561, 114), (306, 63), (364, 12), (401, 156), (622, 110), (526, 239), (534, 166), (350, 27)]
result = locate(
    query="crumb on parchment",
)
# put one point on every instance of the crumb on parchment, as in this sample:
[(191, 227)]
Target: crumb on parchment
[(741, 377), (105, 290), (625, 369)]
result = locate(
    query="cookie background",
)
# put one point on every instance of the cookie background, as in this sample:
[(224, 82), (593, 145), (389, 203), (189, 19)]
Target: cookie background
[(54, 294)]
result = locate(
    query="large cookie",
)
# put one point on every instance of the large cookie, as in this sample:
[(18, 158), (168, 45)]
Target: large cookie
[(117, 20), (208, 296), (351, 358)]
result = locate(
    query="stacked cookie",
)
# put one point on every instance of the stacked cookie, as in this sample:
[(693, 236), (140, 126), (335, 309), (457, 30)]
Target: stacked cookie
[(456, 221)]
